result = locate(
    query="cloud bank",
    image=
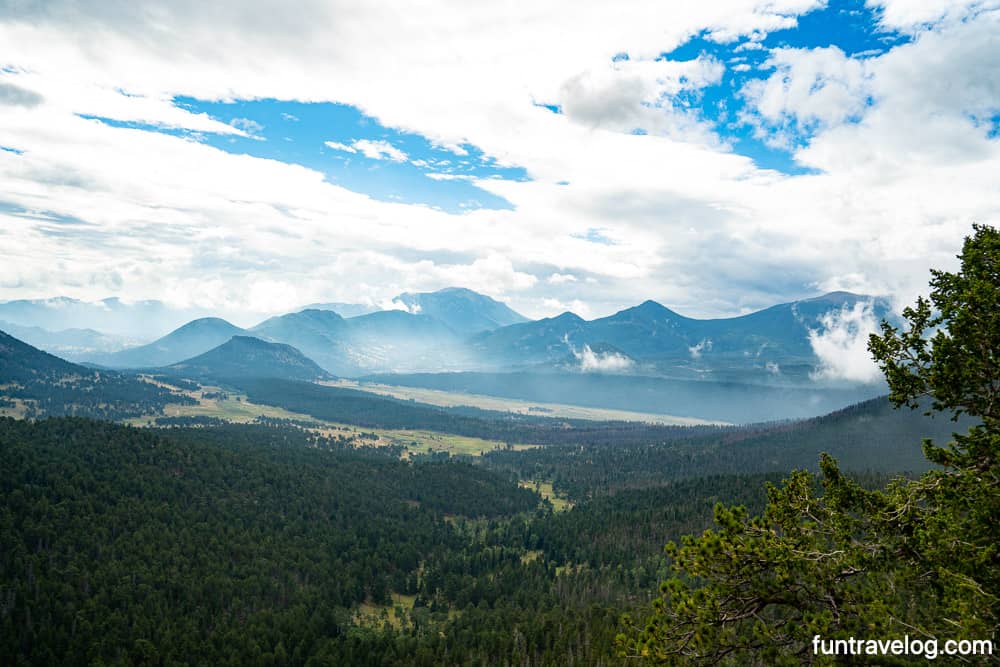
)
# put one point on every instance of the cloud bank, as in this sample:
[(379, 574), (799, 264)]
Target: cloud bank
[(110, 188)]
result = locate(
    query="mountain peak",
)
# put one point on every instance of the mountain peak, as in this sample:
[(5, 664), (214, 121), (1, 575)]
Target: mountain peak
[(648, 309), (185, 341), (247, 356), (837, 296), (462, 310), (567, 316), (206, 323), (459, 290)]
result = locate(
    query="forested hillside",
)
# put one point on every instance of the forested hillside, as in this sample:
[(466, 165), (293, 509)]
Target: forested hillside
[(270, 544), (870, 436), (35, 384)]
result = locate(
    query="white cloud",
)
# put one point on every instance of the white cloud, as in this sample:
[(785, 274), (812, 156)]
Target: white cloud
[(599, 362), (249, 126), (696, 227), (561, 278), (627, 95), (376, 150), (915, 15), (841, 344), (379, 150), (337, 146), (810, 89), (396, 304), (448, 177), (702, 346)]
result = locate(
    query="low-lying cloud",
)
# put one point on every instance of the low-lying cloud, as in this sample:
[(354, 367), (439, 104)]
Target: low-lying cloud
[(599, 362), (841, 343), (602, 362), (703, 346)]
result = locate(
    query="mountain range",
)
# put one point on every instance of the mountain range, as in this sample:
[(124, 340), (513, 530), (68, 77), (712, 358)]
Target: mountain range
[(71, 344), (134, 321), (463, 311), (653, 339), (459, 330)]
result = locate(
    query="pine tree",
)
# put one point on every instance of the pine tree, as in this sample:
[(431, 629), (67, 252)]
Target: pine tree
[(918, 558)]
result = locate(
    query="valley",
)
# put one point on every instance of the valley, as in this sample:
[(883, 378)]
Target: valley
[(445, 398), (216, 403), (391, 518)]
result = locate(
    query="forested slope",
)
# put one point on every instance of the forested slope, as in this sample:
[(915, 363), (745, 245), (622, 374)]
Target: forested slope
[(38, 384), (261, 544), (870, 436)]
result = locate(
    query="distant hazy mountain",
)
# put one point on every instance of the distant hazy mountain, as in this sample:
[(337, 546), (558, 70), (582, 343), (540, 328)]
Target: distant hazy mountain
[(386, 340), (189, 340), (464, 311), (548, 339), (247, 357), (343, 309), (399, 340), (457, 329), (319, 334), (72, 344), (142, 320), (394, 324), (659, 339)]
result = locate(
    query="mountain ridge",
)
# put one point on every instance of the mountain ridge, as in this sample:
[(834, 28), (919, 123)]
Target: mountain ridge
[(187, 340), (249, 357)]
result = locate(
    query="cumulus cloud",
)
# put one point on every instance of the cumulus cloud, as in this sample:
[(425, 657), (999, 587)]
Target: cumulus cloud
[(841, 344), (626, 95), (696, 226), (379, 150), (912, 15), (810, 89)]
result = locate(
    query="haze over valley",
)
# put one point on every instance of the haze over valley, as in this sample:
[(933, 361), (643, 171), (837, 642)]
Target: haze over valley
[(772, 364), (627, 333)]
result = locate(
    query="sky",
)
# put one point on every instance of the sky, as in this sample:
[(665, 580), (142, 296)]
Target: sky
[(717, 157)]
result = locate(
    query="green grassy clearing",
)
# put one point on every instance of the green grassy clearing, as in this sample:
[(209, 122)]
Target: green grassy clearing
[(373, 615), (545, 490), (236, 408)]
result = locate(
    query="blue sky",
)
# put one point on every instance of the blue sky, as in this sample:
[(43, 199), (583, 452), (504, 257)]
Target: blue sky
[(434, 175), (851, 26), (715, 157)]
